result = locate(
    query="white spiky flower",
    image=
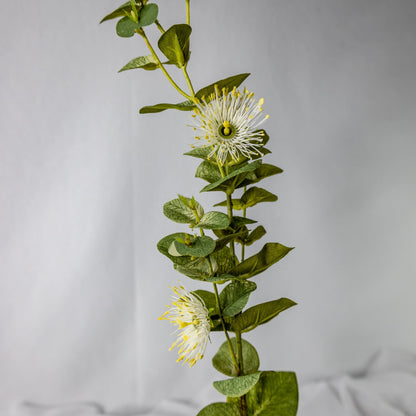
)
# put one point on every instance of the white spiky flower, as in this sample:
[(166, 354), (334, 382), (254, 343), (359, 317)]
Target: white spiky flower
[(229, 122), (189, 314)]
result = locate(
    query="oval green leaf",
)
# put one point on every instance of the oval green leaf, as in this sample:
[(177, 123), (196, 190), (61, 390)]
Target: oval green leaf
[(223, 362), (174, 44), (219, 409), (148, 14), (176, 210), (238, 386), (255, 195), (165, 243), (231, 181), (255, 235), (125, 27), (197, 269), (214, 220), (235, 296), (208, 298), (199, 247), (206, 170), (275, 394)]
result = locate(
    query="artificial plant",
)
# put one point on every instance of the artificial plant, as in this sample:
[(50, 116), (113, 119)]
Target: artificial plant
[(211, 245)]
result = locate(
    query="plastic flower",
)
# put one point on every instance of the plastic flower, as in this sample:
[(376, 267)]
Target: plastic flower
[(189, 314), (229, 123)]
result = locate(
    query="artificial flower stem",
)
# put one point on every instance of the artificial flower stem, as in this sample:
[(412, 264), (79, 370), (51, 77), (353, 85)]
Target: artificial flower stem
[(176, 86), (239, 352), (188, 81), (230, 216), (159, 26), (188, 13), (241, 367), (234, 358), (243, 246), (219, 166)]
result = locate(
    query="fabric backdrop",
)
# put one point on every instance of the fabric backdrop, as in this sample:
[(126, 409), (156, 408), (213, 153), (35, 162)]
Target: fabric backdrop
[(83, 178)]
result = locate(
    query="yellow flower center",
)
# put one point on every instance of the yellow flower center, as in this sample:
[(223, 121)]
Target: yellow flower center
[(226, 130)]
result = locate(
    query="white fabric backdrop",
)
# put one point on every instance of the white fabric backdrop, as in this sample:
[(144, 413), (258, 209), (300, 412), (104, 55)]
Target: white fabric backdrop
[(83, 179)]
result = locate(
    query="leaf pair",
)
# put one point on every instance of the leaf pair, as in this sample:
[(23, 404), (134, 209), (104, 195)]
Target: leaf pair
[(229, 82), (272, 393), (232, 181), (127, 26), (250, 198), (187, 211)]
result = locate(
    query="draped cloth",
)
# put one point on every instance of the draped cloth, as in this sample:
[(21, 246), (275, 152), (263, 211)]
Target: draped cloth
[(386, 386)]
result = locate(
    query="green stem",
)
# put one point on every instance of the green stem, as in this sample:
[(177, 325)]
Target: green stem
[(243, 246), (188, 13), (230, 216), (176, 86), (241, 367), (220, 167), (240, 352), (159, 26), (188, 81), (234, 358)]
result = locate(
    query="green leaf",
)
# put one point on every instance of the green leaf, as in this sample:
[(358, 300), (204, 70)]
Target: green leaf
[(220, 279), (251, 197), (266, 137), (157, 108), (174, 44), (197, 247), (144, 62), (219, 409), (148, 14), (223, 241), (199, 152), (176, 210), (235, 296), (197, 269), (208, 171), (240, 221), (263, 171), (189, 105), (275, 394), (236, 204), (260, 314), (255, 195), (120, 11), (214, 220), (223, 362), (223, 261), (164, 244), (270, 254), (125, 27), (231, 181), (208, 298), (238, 386), (230, 83), (255, 235)]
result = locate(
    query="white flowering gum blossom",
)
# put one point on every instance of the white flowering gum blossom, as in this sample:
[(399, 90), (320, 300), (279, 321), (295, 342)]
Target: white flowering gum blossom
[(189, 314), (228, 122)]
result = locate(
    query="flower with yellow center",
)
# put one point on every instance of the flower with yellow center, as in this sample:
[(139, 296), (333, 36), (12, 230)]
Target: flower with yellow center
[(229, 122), (189, 314)]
